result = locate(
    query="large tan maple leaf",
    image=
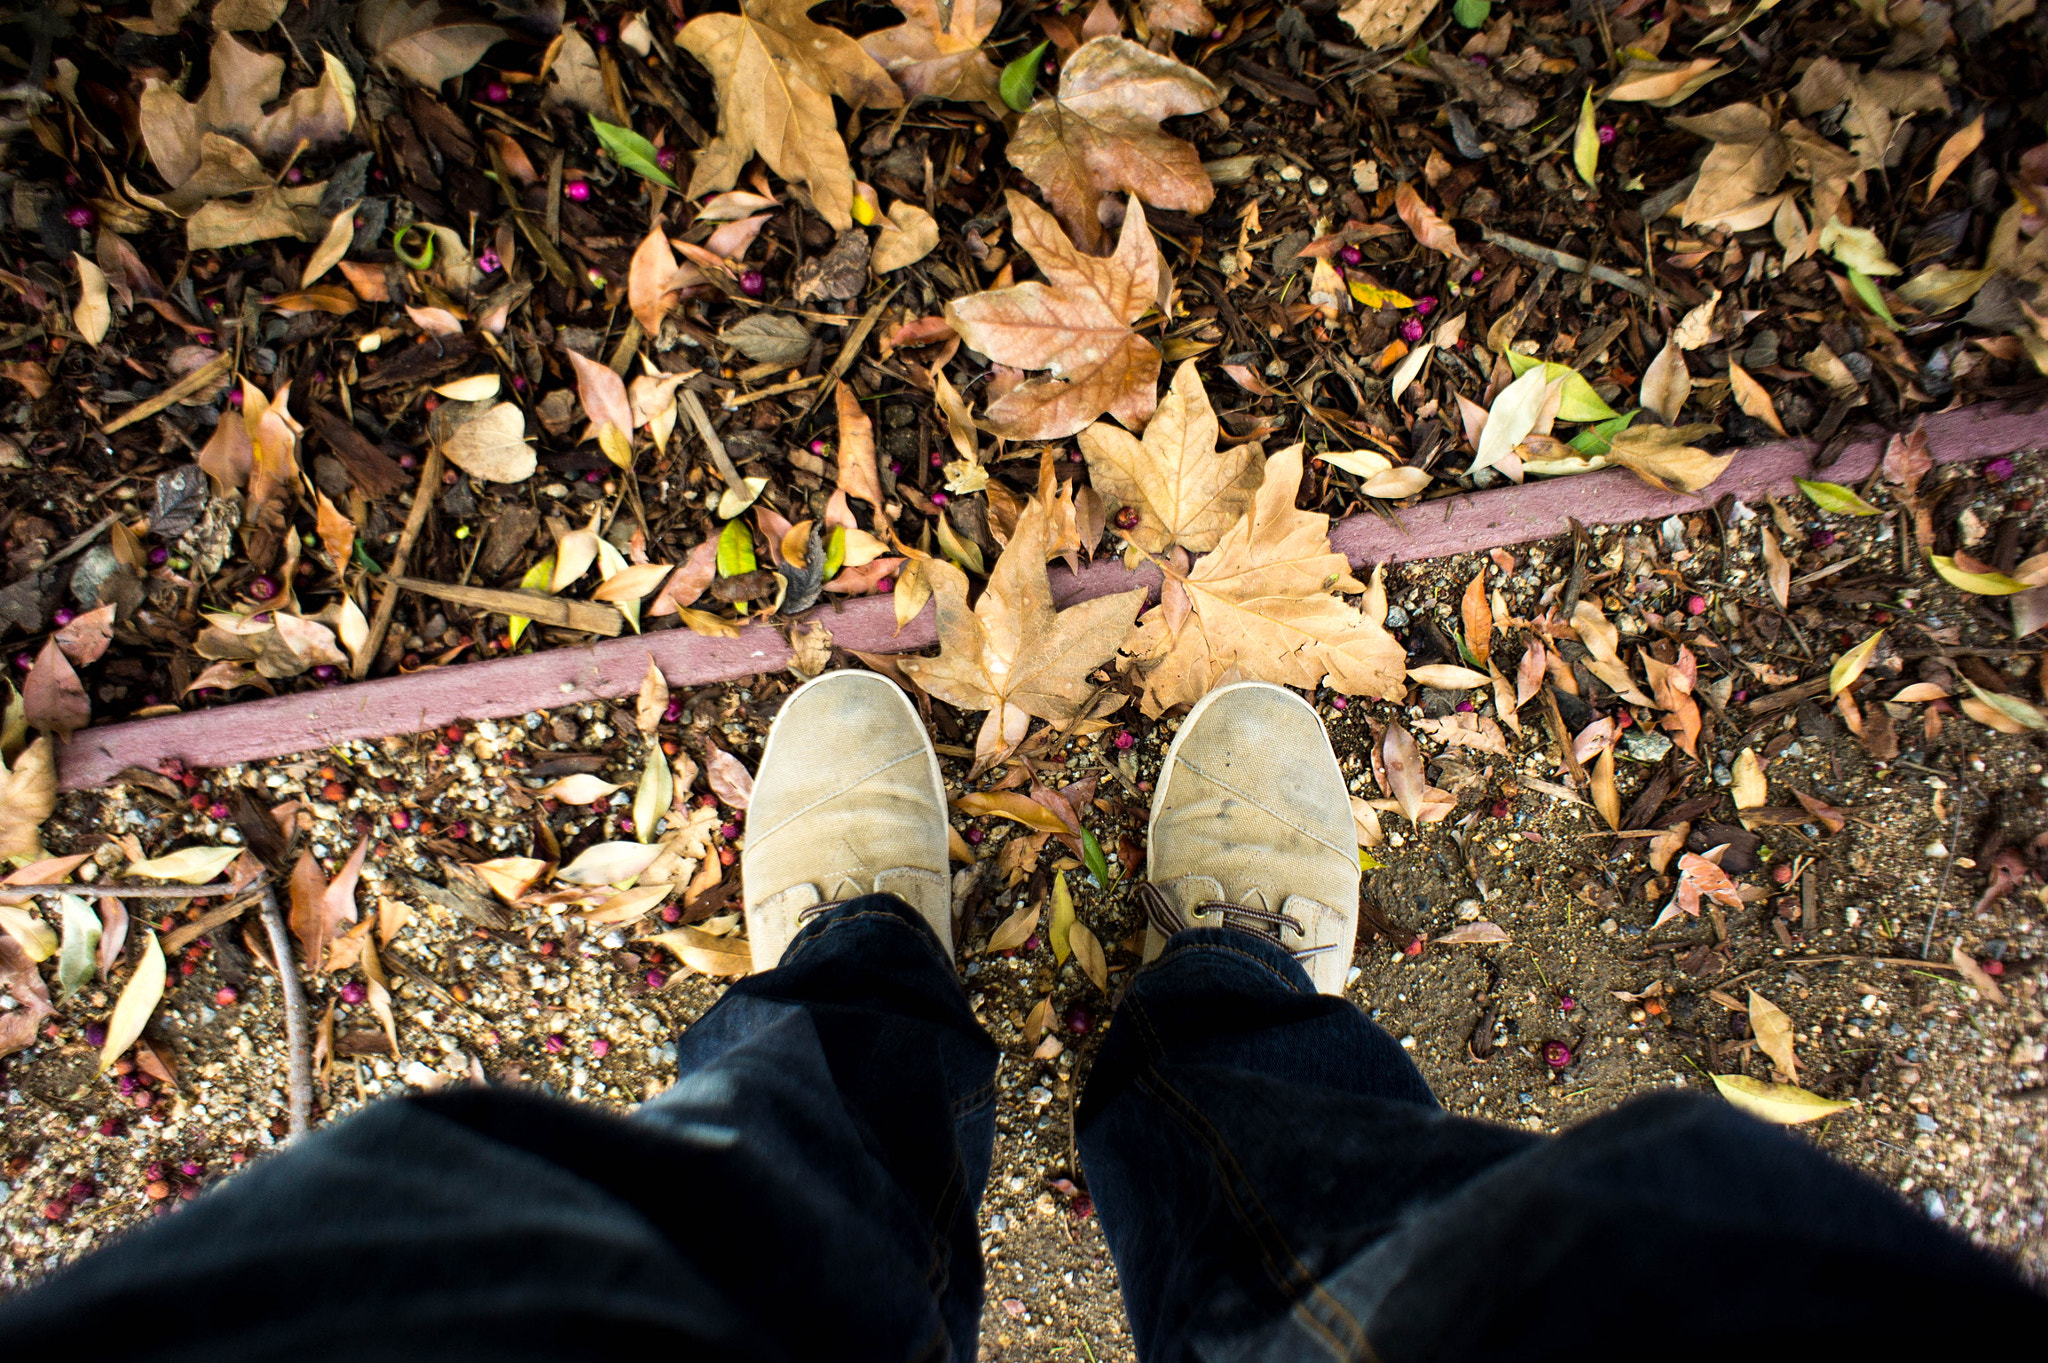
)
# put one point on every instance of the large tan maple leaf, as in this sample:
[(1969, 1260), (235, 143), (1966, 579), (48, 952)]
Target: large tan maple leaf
[(1076, 326), (937, 55), (1099, 133), (1185, 491), (1013, 654), (1265, 602), (776, 72)]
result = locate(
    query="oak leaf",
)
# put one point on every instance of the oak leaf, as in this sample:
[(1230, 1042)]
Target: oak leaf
[(1013, 655), (1265, 602), (936, 54), (1076, 326), (776, 72), (1184, 490), (1749, 161), (1386, 23), (1099, 133), (429, 40)]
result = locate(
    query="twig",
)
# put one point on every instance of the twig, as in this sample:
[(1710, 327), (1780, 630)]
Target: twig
[(202, 377), (422, 501), (1948, 867), (87, 890), (207, 922), (1572, 264), (693, 408), (295, 1028)]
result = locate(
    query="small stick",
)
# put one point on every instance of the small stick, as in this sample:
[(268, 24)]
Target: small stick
[(1572, 264), (295, 1030), (87, 889), (430, 482), (1948, 867)]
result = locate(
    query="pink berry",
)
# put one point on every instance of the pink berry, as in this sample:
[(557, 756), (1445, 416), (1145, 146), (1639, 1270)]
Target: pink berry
[(80, 216), (56, 1209), (577, 190), (1340, 702), (554, 1044), (353, 993), (497, 92), (728, 831), (1127, 517), (666, 158), (235, 398), (1478, 275), (1125, 740), (1607, 134), (226, 995), (976, 837), (1994, 968), (1696, 605), (938, 460), (400, 820), (263, 588), (940, 499), (671, 914), (1425, 305), (1352, 255), (600, 1047), (458, 831), (1411, 330), (656, 979), (191, 1169), (886, 585), (217, 810), (1077, 1019), (752, 284), (818, 446), (1565, 1003), (1556, 1054), (625, 823), (673, 713)]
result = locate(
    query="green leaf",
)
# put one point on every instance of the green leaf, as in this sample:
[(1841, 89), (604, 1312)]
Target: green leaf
[(424, 260), (1581, 403), (1368, 862), (1866, 289), (81, 941), (1091, 854), (1596, 441), (1472, 13), (1982, 584), (1835, 497), (1586, 145), (630, 150), (1020, 78), (736, 549)]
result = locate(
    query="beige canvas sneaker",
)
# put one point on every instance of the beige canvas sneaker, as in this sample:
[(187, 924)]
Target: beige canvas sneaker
[(848, 801), (1251, 829)]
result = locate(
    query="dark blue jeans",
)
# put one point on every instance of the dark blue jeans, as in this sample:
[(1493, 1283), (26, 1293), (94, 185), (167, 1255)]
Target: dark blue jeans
[(1274, 1177)]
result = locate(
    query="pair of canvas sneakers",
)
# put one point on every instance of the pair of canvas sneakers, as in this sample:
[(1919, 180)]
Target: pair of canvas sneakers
[(1250, 827)]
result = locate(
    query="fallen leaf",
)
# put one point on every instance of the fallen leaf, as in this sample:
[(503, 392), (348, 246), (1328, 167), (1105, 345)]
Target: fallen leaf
[(1748, 162), (1481, 933), (1974, 973), (1014, 931), (94, 313), (728, 778), (1467, 731), (581, 788), (1512, 417), (651, 708), (608, 863), (1859, 248), (138, 1001), (1448, 677), (1834, 497), (2018, 715), (1060, 931), (655, 280), (705, 953), (1386, 23), (1075, 326), (1826, 815), (1666, 384), (1013, 805), (1752, 399), (911, 236), (1749, 787), (1428, 229), (1785, 1104), (20, 1026), (1088, 955), (936, 52), (1662, 457), (1266, 602), (1406, 781), (1980, 584), (429, 40), (603, 394), (1185, 490), (1478, 618), (28, 795), (1586, 142), (1014, 656), (28, 932), (1663, 84), (187, 865), (85, 639), (1850, 665), (1777, 570), (52, 696), (775, 73), (492, 446), (1099, 134), (655, 793)]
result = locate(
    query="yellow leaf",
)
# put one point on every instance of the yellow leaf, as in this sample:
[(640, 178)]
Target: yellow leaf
[(475, 388), (1751, 790), (1009, 804), (1785, 1104), (1014, 931), (629, 906), (1447, 677), (1752, 399), (1185, 490), (94, 314), (1088, 955), (656, 792), (32, 934), (139, 998), (1774, 1034), (341, 233), (1373, 296), (1850, 665), (1586, 143), (536, 580), (1606, 798), (706, 954), (187, 865), (1062, 918), (1983, 584)]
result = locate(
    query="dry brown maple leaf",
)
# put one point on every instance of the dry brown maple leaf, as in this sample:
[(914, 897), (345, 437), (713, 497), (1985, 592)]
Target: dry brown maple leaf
[(1386, 23), (1013, 655), (1739, 179), (1076, 326), (1265, 603), (1184, 490), (937, 55), (776, 73), (1099, 133)]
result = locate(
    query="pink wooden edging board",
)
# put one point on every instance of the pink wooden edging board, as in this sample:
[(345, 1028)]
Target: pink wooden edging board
[(612, 668)]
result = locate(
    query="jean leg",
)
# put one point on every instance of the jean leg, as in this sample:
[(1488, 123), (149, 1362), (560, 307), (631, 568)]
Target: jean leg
[(1244, 1136), (808, 1190)]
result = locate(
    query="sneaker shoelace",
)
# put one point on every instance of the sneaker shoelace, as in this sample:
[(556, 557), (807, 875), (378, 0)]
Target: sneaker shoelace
[(1243, 917)]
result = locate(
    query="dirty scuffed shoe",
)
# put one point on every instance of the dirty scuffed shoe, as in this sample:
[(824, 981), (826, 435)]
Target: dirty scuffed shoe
[(1251, 829), (848, 801)]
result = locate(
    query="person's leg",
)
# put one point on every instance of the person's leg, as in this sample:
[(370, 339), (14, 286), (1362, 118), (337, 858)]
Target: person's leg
[(808, 1189), (1276, 1181)]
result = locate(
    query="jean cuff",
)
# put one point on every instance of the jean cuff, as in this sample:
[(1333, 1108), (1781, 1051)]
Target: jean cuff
[(1214, 942), (866, 914)]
